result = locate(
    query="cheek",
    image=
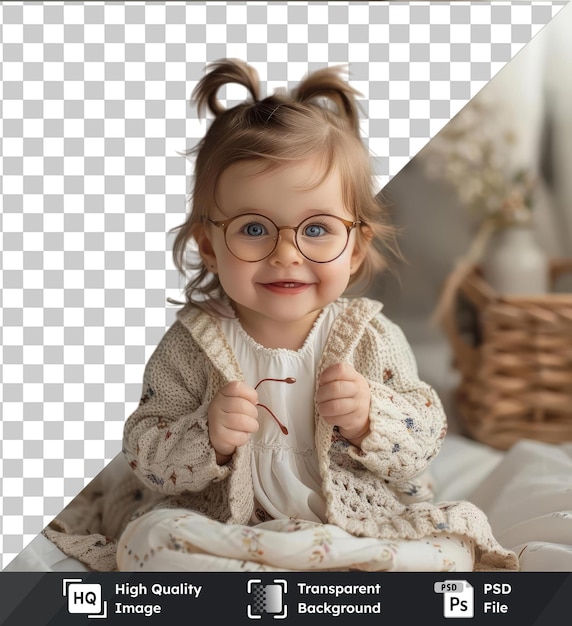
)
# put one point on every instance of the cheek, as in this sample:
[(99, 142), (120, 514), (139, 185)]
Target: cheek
[(336, 274), (233, 274), (342, 265)]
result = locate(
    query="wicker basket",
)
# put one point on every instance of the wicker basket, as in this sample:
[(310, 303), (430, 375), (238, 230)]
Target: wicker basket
[(514, 355)]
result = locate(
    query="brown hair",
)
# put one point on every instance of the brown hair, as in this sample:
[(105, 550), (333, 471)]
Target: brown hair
[(318, 118)]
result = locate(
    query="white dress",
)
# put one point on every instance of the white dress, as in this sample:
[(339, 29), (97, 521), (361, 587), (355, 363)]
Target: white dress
[(288, 529), (285, 471)]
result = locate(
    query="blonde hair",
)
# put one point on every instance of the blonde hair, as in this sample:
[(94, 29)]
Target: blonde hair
[(318, 118)]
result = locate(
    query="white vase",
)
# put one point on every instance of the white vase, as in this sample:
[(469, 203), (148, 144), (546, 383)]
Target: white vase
[(514, 264)]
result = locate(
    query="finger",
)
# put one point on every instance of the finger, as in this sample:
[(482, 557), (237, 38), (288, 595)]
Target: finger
[(239, 389), (236, 439), (240, 423), (339, 371), (234, 404), (338, 407), (336, 389)]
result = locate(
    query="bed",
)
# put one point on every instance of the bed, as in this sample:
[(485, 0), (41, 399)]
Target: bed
[(525, 491)]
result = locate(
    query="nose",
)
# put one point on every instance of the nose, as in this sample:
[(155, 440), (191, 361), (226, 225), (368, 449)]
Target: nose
[(286, 251)]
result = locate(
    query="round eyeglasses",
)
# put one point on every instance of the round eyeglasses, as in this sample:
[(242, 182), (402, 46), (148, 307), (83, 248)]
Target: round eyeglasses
[(290, 381), (252, 237)]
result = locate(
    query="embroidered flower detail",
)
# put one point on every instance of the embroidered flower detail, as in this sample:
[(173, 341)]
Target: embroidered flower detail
[(175, 542), (252, 542), (147, 395), (395, 448), (412, 489), (168, 435), (260, 515), (106, 540), (409, 423), (322, 541), (337, 438), (387, 375), (173, 478), (155, 479), (133, 465)]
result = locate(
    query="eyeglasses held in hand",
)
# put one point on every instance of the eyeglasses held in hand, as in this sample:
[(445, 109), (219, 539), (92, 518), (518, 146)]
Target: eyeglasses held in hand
[(290, 380), (252, 237)]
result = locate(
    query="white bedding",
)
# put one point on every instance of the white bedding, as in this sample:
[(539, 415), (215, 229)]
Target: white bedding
[(528, 499), (526, 492)]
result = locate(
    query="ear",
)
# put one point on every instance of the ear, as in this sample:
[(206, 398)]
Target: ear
[(363, 241), (205, 247)]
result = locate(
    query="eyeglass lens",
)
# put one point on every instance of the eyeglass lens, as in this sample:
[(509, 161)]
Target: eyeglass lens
[(320, 238)]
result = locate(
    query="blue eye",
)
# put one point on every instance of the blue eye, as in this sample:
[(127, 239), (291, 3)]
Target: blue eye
[(314, 230), (255, 229)]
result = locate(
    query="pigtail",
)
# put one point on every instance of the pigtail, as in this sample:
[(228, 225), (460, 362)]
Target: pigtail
[(221, 73), (328, 83)]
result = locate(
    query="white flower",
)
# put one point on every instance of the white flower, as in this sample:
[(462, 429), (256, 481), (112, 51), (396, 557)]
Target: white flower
[(473, 154)]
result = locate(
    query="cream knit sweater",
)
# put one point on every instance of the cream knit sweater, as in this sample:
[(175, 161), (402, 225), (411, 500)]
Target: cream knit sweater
[(369, 491)]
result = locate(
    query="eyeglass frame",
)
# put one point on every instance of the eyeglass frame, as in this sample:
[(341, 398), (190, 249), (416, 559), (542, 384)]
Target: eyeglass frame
[(224, 224)]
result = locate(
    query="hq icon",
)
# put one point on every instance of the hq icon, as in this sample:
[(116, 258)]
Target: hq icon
[(84, 598)]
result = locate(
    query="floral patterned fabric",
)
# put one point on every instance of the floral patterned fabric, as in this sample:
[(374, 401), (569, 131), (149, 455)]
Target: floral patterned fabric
[(181, 540)]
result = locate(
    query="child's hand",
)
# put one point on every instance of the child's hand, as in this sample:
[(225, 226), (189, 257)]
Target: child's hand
[(343, 399), (232, 416)]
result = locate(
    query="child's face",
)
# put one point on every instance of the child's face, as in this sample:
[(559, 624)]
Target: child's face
[(285, 286)]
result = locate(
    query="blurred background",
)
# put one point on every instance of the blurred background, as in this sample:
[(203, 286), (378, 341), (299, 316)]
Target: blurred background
[(518, 126)]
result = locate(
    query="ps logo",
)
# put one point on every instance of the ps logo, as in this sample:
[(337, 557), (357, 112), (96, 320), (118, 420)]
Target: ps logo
[(458, 598)]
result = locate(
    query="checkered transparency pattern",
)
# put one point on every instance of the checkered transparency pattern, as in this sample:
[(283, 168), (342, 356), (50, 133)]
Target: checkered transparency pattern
[(95, 115)]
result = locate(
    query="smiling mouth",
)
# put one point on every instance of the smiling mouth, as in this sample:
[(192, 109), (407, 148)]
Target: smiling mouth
[(286, 286)]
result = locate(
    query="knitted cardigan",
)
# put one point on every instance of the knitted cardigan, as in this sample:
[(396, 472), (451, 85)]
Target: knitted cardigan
[(369, 491)]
